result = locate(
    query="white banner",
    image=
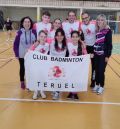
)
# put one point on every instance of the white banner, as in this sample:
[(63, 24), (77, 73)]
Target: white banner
[(49, 73)]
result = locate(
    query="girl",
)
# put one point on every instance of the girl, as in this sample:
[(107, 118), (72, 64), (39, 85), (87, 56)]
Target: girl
[(75, 48), (58, 48), (102, 52), (56, 24), (43, 47), (23, 40)]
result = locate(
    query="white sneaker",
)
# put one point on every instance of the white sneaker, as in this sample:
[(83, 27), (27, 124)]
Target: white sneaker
[(52, 93), (100, 90), (56, 96), (96, 88), (43, 95), (35, 95)]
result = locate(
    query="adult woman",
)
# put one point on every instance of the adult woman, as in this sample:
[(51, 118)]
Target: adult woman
[(23, 40), (102, 52)]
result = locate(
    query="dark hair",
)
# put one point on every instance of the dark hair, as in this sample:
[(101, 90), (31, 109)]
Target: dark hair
[(57, 19), (22, 20), (79, 50), (60, 30), (42, 31), (46, 13), (71, 12), (85, 13), (54, 22)]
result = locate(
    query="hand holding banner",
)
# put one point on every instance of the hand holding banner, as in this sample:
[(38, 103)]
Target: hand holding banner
[(49, 73)]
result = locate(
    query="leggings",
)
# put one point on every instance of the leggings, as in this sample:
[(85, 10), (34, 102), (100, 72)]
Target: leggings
[(22, 69)]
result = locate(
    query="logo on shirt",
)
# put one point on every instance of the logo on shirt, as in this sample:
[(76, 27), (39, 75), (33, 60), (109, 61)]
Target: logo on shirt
[(88, 31), (74, 52), (42, 50), (71, 30)]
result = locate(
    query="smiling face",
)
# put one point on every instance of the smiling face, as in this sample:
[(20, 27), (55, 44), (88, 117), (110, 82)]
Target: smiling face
[(45, 19), (71, 17), (57, 24), (59, 37), (85, 18), (101, 22), (42, 37), (75, 38), (26, 24)]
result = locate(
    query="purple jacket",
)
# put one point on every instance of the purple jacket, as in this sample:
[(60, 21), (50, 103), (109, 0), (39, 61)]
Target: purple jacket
[(23, 41)]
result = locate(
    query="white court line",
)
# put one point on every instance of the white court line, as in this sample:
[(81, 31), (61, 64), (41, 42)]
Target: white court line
[(58, 101)]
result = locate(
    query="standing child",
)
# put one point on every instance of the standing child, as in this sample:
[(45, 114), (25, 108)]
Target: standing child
[(43, 47), (58, 48), (75, 48), (44, 24), (56, 24)]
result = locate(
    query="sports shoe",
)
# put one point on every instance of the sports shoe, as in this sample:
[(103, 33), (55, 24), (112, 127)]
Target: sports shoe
[(56, 95), (35, 95), (23, 85), (100, 90), (52, 93), (70, 96), (96, 88), (75, 97), (92, 84), (43, 95)]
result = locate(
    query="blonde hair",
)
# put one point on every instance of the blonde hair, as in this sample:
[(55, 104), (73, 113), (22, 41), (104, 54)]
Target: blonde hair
[(105, 21)]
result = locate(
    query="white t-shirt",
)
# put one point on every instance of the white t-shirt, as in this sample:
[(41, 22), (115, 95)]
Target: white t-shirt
[(73, 49), (69, 27), (43, 48), (89, 32), (42, 26), (52, 34), (59, 52)]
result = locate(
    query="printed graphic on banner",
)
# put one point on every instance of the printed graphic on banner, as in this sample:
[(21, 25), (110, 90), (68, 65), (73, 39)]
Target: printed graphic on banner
[(56, 72), (49, 73)]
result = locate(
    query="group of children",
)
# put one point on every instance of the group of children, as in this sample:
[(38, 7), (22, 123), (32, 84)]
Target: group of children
[(61, 39), (59, 47)]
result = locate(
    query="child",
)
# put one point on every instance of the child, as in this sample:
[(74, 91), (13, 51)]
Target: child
[(75, 48), (56, 24), (44, 24), (58, 48), (43, 47)]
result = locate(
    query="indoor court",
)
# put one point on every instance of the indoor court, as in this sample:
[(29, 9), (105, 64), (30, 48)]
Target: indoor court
[(19, 111)]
